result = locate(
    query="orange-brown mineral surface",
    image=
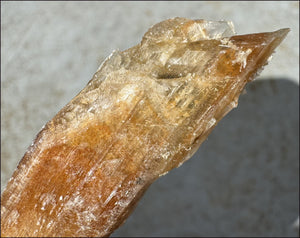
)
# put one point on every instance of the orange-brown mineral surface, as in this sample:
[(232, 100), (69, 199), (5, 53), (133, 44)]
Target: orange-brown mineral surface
[(145, 111)]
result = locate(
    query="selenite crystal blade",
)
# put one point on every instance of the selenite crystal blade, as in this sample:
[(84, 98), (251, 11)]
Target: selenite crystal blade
[(145, 111)]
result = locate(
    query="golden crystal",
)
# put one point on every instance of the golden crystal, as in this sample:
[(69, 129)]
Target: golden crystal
[(145, 111)]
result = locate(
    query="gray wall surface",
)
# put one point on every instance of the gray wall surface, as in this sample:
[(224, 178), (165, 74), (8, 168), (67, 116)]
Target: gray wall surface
[(243, 181)]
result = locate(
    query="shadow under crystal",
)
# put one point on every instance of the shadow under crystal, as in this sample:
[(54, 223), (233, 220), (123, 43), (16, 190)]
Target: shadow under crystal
[(243, 181)]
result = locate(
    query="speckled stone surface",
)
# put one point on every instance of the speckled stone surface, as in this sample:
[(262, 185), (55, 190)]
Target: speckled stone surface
[(244, 179)]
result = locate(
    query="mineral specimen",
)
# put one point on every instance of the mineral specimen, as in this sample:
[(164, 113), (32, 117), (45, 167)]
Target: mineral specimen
[(145, 111)]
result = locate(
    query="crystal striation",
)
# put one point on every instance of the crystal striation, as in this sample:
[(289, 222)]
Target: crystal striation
[(145, 111)]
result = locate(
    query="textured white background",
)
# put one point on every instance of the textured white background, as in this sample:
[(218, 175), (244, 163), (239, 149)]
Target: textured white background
[(243, 180)]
